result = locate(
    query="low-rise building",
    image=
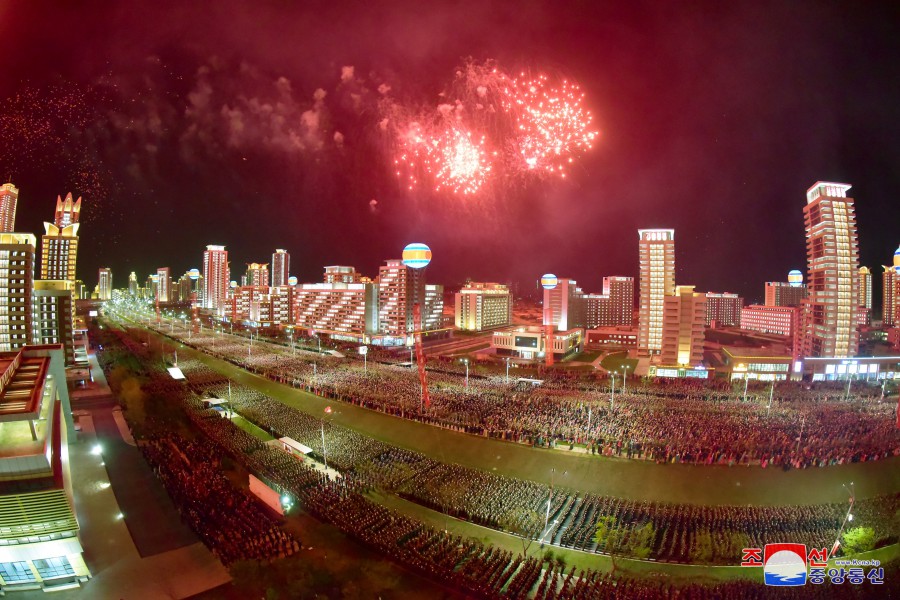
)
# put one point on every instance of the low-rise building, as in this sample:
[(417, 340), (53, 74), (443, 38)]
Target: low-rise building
[(530, 343), (611, 336), (481, 306), (39, 544)]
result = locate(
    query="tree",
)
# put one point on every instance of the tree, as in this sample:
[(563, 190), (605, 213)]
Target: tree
[(859, 539), (701, 547), (607, 535), (528, 523), (642, 541)]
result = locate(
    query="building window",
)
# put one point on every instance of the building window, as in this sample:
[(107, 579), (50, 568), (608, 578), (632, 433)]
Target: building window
[(53, 567), (16, 572)]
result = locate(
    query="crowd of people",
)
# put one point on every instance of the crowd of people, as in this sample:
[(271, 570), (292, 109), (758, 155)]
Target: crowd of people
[(228, 520), (511, 504), (465, 564), (678, 421)]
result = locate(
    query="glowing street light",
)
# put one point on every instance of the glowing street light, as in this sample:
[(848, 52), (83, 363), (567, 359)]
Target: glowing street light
[(507, 369), (466, 362), (847, 518)]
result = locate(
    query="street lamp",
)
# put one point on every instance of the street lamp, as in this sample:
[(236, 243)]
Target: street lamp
[(549, 501), (624, 379), (324, 450), (847, 518), (507, 369), (612, 396), (466, 362)]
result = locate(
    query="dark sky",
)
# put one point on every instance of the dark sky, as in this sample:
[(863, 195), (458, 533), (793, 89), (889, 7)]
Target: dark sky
[(181, 126)]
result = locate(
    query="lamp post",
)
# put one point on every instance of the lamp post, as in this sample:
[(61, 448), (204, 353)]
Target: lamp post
[(549, 502), (849, 379), (507, 370), (624, 379), (847, 518), (771, 393), (466, 362), (612, 395)]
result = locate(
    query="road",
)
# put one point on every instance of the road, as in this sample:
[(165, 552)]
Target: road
[(639, 480)]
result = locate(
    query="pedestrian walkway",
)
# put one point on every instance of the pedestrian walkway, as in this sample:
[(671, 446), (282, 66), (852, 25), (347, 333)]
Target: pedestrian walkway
[(117, 569)]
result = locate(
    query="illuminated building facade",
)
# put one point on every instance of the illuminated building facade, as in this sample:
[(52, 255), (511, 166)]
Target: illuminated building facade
[(59, 244), (257, 275), (890, 288), (132, 284), (215, 278), (779, 320), (347, 311), (564, 305), (832, 250), (723, 309), (39, 531), (684, 315), (104, 284), (190, 286), (399, 288), (530, 343), (53, 316), (780, 293), (433, 308), (657, 280), (164, 285), (9, 198), (480, 306), (17, 285), (281, 268), (341, 274), (614, 307), (865, 296)]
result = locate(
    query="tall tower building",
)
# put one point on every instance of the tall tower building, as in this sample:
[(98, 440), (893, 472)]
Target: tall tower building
[(865, 288), (215, 278), (891, 293), (281, 268), (396, 298), (17, 273), (257, 275), (832, 255), (9, 197), (132, 284), (104, 283), (59, 244), (164, 285), (657, 272)]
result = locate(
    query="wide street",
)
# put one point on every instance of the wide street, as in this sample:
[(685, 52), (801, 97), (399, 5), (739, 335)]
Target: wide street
[(635, 479)]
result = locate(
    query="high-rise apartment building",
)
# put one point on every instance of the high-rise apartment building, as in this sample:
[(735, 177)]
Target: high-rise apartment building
[(614, 307), (684, 314), (399, 288), (281, 268), (9, 198), (865, 288), (780, 293), (723, 309), (657, 280), (215, 278), (564, 305), (132, 284), (347, 311), (104, 283), (890, 287), (59, 244), (257, 274), (480, 306), (17, 285), (433, 309), (832, 253), (53, 315), (164, 285)]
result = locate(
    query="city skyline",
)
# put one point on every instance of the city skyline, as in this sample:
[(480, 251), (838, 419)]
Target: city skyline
[(674, 151)]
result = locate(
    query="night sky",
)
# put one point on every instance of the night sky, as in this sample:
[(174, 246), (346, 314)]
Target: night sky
[(183, 126)]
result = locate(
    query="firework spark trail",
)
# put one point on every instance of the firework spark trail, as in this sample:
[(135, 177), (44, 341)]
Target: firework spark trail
[(489, 125)]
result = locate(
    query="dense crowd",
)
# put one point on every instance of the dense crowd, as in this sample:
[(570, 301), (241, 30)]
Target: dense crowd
[(465, 564), (228, 520), (706, 422), (679, 533)]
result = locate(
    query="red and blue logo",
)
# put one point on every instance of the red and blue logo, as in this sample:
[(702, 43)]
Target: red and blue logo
[(785, 564)]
